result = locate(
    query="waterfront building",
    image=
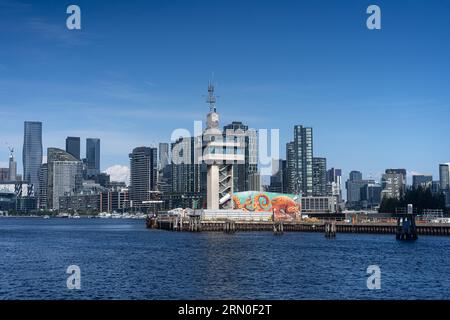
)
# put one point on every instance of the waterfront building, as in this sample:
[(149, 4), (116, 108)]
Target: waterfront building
[(7, 200), (32, 153), (115, 200), (319, 177), (92, 157), (393, 183), (190, 200), (143, 176), (82, 203), (422, 181), (64, 176), (444, 176), (319, 205), (26, 204), (73, 146)]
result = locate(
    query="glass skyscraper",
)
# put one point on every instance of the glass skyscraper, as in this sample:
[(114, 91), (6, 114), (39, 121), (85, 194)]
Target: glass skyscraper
[(303, 153), (143, 171), (64, 176), (444, 175), (73, 146), (32, 153), (92, 157), (319, 177)]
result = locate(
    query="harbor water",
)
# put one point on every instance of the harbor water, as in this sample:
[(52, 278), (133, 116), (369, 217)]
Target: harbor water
[(121, 259)]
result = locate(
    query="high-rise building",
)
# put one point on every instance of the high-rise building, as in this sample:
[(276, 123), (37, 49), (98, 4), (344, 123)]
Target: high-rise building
[(12, 174), (186, 171), (163, 156), (371, 195), (64, 176), (334, 183), (164, 168), (435, 187), (92, 157), (355, 190), (239, 132), (255, 181), (278, 180), (303, 152), (73, 146), (32, 153), (43, 186), (355, 176), (319, 177), (393, 183), (290, 168), (444, 176), (143, 175), (424, 181)]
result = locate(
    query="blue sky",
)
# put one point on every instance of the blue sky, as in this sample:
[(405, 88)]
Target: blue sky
[(139, 69)]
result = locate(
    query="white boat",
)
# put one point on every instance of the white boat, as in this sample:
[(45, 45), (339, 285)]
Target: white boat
[(63, 215), (104, 215), (46, 216)]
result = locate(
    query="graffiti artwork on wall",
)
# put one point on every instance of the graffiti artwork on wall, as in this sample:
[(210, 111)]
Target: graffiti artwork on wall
[(283, 206)]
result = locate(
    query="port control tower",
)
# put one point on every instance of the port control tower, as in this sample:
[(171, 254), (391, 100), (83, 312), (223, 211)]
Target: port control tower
[(219, 152)]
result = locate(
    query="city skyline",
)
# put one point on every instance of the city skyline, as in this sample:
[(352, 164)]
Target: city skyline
[(374, 92)]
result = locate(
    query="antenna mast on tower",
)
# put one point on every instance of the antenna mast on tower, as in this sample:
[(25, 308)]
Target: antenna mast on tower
[(211, 99)]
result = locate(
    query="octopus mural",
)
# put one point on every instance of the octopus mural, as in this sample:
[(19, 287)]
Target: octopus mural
[(283, 206)]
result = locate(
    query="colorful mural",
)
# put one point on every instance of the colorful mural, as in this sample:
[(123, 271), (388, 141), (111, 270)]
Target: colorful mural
[(284, 206)]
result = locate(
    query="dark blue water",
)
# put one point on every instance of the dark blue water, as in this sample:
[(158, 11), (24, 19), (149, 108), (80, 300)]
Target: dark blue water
[(121, 259)]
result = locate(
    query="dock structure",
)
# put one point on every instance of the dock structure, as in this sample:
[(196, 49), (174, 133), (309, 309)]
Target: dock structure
[(406, 223), (229, 227), (197, 225), (406, 228), (278, 228), (330, 230)]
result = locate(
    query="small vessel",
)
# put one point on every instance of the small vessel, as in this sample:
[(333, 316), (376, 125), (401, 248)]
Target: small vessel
[(63, 215), (46, 216)]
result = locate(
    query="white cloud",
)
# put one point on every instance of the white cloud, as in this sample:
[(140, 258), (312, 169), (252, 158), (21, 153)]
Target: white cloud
[(119, 173)]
